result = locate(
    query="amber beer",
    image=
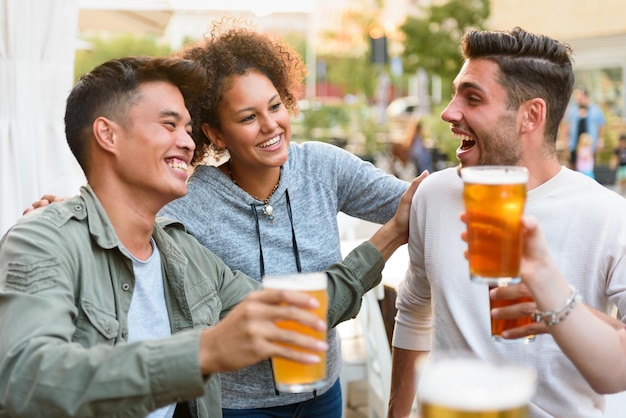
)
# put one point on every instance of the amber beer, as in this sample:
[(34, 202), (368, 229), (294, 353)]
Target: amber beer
[(494, 198), (471, 388), (499, 325), (291, 376)]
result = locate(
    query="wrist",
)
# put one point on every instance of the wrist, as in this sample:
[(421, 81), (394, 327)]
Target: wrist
[(206, 356), (548, 287), (389, 238), (559, 314)]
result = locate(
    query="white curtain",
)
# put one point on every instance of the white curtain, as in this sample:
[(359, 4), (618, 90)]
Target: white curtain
[(37, 43)]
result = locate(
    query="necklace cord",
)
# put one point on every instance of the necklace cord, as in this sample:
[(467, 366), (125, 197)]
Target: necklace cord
[(258, 235), (294, 248), (294, 243)]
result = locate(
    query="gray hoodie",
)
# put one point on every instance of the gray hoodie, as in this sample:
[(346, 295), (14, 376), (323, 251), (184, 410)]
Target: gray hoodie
[(317, 181)]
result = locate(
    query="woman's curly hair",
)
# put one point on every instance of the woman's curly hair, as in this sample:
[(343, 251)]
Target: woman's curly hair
[(233, 53)]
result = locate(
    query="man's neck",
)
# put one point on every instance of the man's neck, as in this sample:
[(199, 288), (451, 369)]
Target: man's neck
[(542, 172), (132, 220), (134, 231)]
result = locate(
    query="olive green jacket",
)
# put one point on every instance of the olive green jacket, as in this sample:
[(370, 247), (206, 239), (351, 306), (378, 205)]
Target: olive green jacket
[(66, 283)]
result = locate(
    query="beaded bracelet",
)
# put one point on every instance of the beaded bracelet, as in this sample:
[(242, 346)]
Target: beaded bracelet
[(551, 318)]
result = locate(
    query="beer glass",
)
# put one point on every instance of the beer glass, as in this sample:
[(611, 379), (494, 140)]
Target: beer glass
[(499, 325), (461, 387), (494, 198), (291, 376)]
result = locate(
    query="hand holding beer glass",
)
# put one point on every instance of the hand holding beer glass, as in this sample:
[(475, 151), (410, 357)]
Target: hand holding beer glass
[(460, 387), (494, 198), (291, 376), (500, 325)]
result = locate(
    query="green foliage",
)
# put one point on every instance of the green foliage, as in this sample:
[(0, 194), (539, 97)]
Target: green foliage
[(354, 75), (610, 139), (298, 42), (329, 116), (104, 49), (352, 126), (321, 121), (432, 42), (371, 132), (348, 67)]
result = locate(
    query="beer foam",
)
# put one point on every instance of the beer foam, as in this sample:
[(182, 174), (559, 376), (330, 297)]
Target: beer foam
[(296, 281), (494, 175), (473, 385)]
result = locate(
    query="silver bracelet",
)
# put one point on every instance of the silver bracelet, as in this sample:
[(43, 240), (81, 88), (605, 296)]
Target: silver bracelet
[(551, 318)]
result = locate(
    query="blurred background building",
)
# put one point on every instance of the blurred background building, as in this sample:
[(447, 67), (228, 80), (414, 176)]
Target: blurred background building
[(594, 30), (372, 64), (331, 28)]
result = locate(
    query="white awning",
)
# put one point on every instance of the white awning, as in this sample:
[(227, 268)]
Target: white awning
[(37, 44)]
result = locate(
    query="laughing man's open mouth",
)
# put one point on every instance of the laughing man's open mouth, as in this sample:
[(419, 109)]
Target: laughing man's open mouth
[(467, 143)]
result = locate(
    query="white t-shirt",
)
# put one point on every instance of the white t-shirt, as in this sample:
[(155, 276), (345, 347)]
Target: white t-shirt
[(148, 318)]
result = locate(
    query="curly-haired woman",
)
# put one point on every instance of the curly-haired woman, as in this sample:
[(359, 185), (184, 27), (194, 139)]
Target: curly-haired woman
[(272, 207)]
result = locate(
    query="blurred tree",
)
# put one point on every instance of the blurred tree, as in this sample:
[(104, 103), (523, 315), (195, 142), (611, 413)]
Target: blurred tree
[(105, 48), (297, 41), (346, 49), (432, 41), (354, 75)]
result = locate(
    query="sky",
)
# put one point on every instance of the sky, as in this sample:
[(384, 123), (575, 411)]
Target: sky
[(260, 7)]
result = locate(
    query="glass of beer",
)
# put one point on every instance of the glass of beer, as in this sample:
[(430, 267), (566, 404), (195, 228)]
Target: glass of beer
[(494, 198), (462, 387), (291, 376), (499, 325)]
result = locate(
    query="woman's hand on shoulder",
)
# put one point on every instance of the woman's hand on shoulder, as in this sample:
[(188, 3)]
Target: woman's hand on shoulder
[(44, 201)]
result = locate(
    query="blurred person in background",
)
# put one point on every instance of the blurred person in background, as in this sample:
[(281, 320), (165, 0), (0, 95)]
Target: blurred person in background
[(416, 148), (583, 116), (585, 160)]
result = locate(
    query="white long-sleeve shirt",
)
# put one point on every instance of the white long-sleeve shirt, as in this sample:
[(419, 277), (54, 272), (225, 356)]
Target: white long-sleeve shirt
[(585, 226)]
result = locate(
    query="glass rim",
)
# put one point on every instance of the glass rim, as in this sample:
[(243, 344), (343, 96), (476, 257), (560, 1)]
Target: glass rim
[(296, 281), (494, 174), (472, 384)]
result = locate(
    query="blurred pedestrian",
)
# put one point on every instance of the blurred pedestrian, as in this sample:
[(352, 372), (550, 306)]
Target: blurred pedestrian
[(584, 155), (584, 116), (416, 148)]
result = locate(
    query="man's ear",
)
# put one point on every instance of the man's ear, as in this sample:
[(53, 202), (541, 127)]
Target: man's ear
[(533, 115), (213, 136), (105, 133)]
